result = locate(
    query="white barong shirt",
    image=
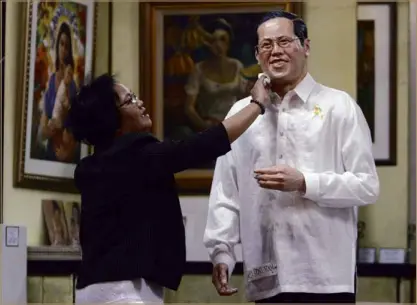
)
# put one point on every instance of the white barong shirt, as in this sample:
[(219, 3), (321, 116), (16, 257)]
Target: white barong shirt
[(293, 242)]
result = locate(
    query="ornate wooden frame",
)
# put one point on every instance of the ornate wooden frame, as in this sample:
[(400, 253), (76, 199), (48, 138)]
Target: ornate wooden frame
[(23, 179)]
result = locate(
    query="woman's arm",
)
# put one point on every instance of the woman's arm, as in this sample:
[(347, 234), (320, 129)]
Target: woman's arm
[(176, 156)]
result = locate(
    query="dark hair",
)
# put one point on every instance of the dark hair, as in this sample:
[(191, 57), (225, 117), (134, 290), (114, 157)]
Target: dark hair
[(220, 24), (300, 28), (93, 116), (69, 60)]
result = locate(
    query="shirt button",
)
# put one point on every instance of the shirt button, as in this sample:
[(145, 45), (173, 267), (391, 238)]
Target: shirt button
[(283, 109), (280, 156), (281, 133)]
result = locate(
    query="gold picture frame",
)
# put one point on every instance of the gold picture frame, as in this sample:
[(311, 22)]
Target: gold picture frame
[(57, 34), (168, 49)]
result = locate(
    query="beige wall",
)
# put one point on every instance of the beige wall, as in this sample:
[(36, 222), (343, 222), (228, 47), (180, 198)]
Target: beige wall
[(332, 28), (333, 62)]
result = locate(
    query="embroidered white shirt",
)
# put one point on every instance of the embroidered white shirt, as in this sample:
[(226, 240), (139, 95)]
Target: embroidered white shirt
[(293, 242)]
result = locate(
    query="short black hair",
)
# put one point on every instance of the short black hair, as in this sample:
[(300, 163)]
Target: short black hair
[(300, 28), (94, 116)]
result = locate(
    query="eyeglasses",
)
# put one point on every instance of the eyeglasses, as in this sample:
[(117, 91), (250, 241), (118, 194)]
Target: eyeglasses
[(130, 98), (267, 45)]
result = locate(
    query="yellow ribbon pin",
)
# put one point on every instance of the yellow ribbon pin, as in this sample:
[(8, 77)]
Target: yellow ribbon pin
[(317, 111)]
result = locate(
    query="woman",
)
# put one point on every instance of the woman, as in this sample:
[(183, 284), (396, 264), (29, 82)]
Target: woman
[(132, 233), (215, 84), (60, 142)]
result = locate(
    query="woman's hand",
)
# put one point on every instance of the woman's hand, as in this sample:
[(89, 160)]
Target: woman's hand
[(261, 91)]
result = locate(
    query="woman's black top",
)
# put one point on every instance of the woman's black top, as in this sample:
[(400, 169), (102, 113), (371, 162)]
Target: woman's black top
[(131, 220)]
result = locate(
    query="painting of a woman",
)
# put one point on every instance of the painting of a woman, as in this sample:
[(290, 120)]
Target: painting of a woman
[(206, 70), (215, 83), (58, 57), (209, 65), (53, 212), (60, 144)]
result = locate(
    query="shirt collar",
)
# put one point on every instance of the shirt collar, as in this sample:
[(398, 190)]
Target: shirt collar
[(303, 89)]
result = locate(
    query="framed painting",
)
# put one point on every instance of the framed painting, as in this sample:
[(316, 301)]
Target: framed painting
[(377, 76), (2, 71), (196, 60), (58, 55), (55, 221), (72, 211)]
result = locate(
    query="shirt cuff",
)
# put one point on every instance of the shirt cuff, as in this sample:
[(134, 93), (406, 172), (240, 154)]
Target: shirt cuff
[(225, 258), (312, 186)]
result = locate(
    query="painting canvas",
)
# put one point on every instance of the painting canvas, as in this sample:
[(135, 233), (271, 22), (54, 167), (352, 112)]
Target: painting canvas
[(56, 225), (366, 71), (376, 76), (202, 56), (72, 210), (58, 57)]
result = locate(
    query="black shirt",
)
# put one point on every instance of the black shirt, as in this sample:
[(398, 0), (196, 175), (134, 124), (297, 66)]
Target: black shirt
[(131, 220)]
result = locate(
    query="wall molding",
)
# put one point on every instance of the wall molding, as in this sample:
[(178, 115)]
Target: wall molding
[(55, 254), (65, 261)]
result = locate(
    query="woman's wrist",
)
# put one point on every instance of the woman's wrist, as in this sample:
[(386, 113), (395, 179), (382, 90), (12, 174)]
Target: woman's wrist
[(259, 105)]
